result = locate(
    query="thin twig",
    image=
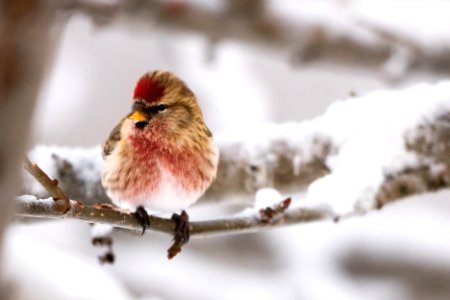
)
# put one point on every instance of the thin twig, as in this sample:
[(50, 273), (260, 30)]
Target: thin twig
[(62, 201), (269, 214)]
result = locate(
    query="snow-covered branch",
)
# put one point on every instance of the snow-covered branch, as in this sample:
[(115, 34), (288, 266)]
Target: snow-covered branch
[(361, 154), (332, 33)]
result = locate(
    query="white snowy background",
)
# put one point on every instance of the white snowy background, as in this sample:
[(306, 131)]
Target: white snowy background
[(400, 252)]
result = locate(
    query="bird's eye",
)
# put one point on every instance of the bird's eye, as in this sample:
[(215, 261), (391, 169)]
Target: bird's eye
[(161, 107)]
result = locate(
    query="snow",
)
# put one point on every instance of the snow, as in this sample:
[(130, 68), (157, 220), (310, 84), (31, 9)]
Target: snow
[(425, 23), (27, 199), (94, 74), (101, 230), (47, 275), (264, 197), (86, 163), (267, 197), (306, 261), (369, 133), (410, 29), (324, 14)]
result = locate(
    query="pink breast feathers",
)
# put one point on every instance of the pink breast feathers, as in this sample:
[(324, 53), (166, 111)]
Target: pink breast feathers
[(185, 166)]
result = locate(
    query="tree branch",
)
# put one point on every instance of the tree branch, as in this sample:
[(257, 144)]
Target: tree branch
[(275, 160), (358, 44), (290, 157), (430, 141), (240, 223), (287, 156), (105, 214), (61, 207), (62, 202), (25, 40), (22, 66)]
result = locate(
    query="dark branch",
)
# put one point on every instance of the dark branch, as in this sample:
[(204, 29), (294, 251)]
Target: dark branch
[(62, 202), (106, 214)]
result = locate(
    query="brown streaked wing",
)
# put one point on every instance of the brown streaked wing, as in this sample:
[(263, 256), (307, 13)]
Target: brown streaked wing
[(113, 139), (207, 131)]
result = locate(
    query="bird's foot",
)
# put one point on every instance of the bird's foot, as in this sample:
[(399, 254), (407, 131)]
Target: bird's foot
[(142, 218), (182, 234)]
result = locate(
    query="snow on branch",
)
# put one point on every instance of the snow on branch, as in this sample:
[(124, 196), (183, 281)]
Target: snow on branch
[(329, 33), (62, 201), (361, 154)]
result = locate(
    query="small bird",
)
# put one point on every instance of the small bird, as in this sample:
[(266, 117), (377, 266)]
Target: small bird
[(161, 155)]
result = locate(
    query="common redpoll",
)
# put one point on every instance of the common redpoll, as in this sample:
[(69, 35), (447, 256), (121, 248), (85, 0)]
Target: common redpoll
[(161, 155)]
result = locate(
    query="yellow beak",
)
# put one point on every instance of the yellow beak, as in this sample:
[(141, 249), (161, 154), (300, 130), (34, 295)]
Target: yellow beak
[(137, 116)]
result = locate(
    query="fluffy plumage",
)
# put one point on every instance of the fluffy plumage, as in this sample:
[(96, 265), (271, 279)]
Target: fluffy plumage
[(161, 155)]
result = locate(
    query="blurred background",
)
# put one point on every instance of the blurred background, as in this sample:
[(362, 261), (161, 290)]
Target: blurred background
[(270, 61)]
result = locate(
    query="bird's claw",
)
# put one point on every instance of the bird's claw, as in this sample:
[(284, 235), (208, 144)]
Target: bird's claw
[(142, 218), (182, 234)]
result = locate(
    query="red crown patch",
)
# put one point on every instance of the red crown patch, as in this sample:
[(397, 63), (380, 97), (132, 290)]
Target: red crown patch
[(148, 89)]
